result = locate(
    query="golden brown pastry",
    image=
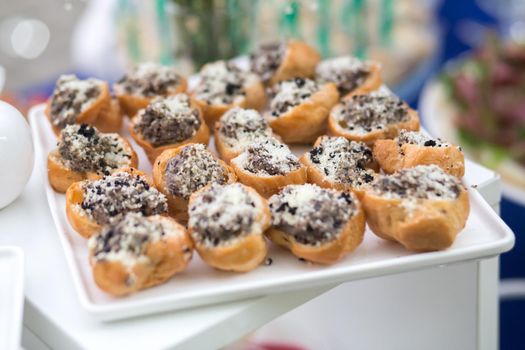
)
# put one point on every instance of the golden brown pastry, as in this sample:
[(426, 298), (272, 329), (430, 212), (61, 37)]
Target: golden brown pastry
[(90, 204), (237, 129), (84, 153), (223, 86), (110, 117), (412, 148), (370, 117), (76, 101), (284, 60), (351, 75), (317, 224), (168, 122), (300, 108), (423, 208), (138, 252), (268, 165), (144, 82), (181, 171), (227, 223), (338, 163)]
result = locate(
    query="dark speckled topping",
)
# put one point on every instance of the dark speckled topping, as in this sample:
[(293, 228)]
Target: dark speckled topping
[(83, 149), (223, 83), (268, 157), (346, 72), (239, 127), (108, 199), (267, 58), (149, 80), (420, 139), (71, 97), (311, 214), (362, 114), (224, 212), (129, 236), (343, 161), (193, 168), (420, 182), (168, 120), (290, 93)]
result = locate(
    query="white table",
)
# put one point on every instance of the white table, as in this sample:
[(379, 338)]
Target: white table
[(53, 317)]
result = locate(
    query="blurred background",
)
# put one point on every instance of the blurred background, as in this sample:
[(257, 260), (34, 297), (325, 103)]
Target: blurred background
[(464, 60)]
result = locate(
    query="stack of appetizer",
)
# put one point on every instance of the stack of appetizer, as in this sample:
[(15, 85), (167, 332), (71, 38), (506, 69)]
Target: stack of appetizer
[(368, 164)]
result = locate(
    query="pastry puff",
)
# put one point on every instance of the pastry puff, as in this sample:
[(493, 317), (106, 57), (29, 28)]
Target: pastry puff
[(351, 75), (422, 217), (376, 121), (316, 224), (412, 148), (201, 135), (267, 166), (304, 122), (110, 117), (335, 162), (196, 168), (227, 223), (298, 59), (145, 82), (138, 252), (61, 176), (237, 129), (372, 83), (131, 104), (87, 226), (224, 86), (86, 115)]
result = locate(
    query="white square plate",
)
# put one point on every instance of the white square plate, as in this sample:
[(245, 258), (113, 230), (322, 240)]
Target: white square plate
[(11, 297), (484, 235)]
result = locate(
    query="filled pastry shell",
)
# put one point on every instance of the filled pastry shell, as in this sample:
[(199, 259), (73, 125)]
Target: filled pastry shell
[(300, 108), (316, 224), (138, 252), (335, 162), (84, 153), (76, 101), (279, 61), (90, 204), (181, 171), (371, 117), (267, 166), (223, 86), (143, 83), (227, 224), (351, 75), (237, 129), (167, 123), (411, 148), (423, 208)]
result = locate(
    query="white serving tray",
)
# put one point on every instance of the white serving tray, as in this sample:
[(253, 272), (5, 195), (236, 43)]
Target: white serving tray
[(485, 235), (11, 297)]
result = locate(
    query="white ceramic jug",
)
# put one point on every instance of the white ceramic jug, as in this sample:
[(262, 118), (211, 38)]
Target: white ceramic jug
[(16, 153)]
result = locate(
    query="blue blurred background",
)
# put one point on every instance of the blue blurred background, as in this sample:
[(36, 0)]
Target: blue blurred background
[(452, 14)]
